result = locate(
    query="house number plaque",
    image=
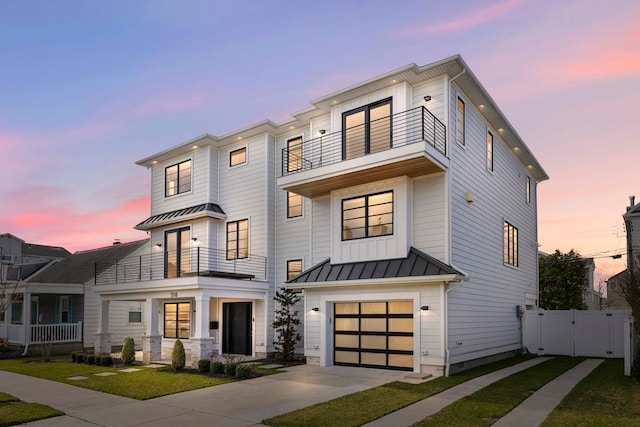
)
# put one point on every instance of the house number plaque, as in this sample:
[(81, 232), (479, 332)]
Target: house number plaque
[(174, 295)]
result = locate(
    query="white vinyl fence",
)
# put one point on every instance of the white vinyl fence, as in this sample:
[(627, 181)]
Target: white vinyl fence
[(590, 333)]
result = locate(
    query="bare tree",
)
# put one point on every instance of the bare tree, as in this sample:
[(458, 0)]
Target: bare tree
[(11, 285)]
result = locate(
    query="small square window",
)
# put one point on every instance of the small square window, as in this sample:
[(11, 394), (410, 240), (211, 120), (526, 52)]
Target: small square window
[(177, 178), (135, 312), (367, 216), (294, 205), (294, 268), (238, 157)]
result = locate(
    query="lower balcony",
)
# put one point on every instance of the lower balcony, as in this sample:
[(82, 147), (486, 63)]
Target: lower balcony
[(198, 261)]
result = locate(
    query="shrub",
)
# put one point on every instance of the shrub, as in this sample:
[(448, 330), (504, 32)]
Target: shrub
[(177, 356), (217, 367), (80, 358), (90, 359), (244, 371), (204, 365), (73, 356), (286, 324), (230, 369), (128, 352), (105, 360)]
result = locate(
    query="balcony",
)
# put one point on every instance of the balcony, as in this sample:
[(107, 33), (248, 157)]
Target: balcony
[(198, 261), (410, 143)]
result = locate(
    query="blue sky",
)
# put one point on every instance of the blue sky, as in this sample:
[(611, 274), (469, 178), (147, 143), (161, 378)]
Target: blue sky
[(88, 88)]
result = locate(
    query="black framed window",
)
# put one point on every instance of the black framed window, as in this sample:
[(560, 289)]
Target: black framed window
[(294, 157), (294, 268), (238, 239), (510, 244), (177, 254), (177, 320), (528, 189), (366, 130), (177, 178), (294, 205), (367, 216), (489, 151), (460, 119), (238, 157)]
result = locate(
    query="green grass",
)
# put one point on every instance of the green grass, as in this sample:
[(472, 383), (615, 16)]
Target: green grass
[(144, 384), (365, 406), (490, 403), (13, 411), (604, 398)]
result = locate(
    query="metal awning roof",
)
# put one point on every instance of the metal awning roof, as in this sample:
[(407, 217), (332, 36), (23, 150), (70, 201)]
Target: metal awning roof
[(205, 209)]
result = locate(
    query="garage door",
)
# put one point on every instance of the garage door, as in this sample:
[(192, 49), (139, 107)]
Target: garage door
[(374, 334)]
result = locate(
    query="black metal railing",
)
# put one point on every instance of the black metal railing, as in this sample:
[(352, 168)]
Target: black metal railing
[(198, 261), (408, 127)]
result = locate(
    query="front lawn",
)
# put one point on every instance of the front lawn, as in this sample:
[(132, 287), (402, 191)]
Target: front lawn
[(144, 384), (13, 411)]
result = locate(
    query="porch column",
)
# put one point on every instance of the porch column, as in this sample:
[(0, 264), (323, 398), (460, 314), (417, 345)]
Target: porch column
[(201, 342), (103, 336), (152, 340), (26, 316)]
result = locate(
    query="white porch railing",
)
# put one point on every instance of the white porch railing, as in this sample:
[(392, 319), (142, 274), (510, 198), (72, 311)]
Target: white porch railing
[(56, 333)]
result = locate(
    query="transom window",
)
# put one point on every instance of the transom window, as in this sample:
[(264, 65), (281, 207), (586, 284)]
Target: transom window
[(367, 216), (294, 268), (238, 239), (460, 122), (177, 178), (367, 130), (294, 157), (489, 151), (510, 244), (294, 205), (177, 320), (238, 157)]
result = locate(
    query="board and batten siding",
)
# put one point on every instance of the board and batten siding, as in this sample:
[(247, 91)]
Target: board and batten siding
[(436, 89), (482, 316)]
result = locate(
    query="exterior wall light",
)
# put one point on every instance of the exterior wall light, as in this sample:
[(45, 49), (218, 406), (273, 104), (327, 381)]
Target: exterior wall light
[(427, 98), (315, 309), (424, 308)]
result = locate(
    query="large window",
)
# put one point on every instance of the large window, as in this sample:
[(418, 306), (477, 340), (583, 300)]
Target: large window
[(238, 157), (294, 205), (238, 239), (177, 256), (294, 157), (367, 216), (177, 320), (510, 244), (294, 268), (460, 122), (489, 151), (177, 178), (367, 130)]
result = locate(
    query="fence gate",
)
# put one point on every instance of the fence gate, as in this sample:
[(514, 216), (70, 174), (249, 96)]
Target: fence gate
[(590, 333)]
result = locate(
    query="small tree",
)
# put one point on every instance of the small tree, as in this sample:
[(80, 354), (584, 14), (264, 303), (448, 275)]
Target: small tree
[(286, 320), (562, 279), (128, 352), (11, 288), (178, 358)]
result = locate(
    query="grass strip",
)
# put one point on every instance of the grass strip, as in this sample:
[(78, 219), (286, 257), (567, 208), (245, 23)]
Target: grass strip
[(487, 405), (365, 406), (4, 398), (144, 384), (13, 411), (606, 397)]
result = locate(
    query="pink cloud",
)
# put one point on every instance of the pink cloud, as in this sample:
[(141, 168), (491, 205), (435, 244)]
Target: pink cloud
[(167, 104), (467, 20)]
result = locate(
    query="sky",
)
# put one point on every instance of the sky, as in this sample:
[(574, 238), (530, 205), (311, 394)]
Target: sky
[(89, 88)]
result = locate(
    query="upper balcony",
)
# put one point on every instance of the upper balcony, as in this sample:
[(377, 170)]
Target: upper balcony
[(411, 143)]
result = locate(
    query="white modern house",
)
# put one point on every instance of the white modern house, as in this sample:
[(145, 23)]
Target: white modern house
[(402, 208)]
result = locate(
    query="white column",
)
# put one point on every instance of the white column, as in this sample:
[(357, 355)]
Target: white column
[(152, 340), (103, 337), (201, 342), (151, 316), (26, 316)]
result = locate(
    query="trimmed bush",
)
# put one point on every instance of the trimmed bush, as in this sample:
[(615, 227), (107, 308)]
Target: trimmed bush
[(105, 360), (204, 365), (230, 369), (177, 356), (244, 371), (217, 367), (80, 358), (73, 356), (128, 352), (90, 359)]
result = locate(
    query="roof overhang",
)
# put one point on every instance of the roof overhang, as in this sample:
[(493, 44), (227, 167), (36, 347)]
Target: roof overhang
[(204, 210)]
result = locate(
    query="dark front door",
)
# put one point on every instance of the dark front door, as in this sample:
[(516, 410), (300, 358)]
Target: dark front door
[(236, 330)]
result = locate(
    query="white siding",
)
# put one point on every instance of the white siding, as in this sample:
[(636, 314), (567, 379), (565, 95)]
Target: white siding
[(435, 88), (429, 220)]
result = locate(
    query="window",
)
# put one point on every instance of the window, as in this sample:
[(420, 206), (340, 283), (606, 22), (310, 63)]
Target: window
[(510, 244), (460, 122), (489, 151), (294, 268), (16, 313), (294, 205), (367, 216), (238, 157), (294, 157), (135, 312), (238, 239), (177, 320), (177, 255), (177, 178), (613, 285), (528, 184), (366, 130), (64, 309)]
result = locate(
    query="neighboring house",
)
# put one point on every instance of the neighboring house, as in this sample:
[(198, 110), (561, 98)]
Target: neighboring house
[(404, 208), (591, 297), (615, 296)]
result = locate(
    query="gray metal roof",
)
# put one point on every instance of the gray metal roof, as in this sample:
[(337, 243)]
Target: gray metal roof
[(417, 263), (205, 209), (31, 249)]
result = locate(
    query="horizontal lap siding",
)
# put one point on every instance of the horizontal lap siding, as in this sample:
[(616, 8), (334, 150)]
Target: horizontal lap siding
[(434, 88), (429, 222), (482, 313)]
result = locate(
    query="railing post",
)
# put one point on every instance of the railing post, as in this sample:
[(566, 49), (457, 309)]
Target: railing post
[(198, 262), (422, 121)]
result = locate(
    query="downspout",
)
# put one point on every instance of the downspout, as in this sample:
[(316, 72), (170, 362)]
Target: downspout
[(447, 365), (26, 313)]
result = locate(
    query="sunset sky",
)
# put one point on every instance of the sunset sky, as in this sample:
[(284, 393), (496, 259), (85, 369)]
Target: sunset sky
[(88, 88)]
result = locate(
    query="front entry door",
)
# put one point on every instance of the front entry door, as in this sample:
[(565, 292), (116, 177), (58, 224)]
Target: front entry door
[(236, 329)]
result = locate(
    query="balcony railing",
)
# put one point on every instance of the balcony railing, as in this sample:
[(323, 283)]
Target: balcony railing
[(198, 261), (408, 127), (56, 333)]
